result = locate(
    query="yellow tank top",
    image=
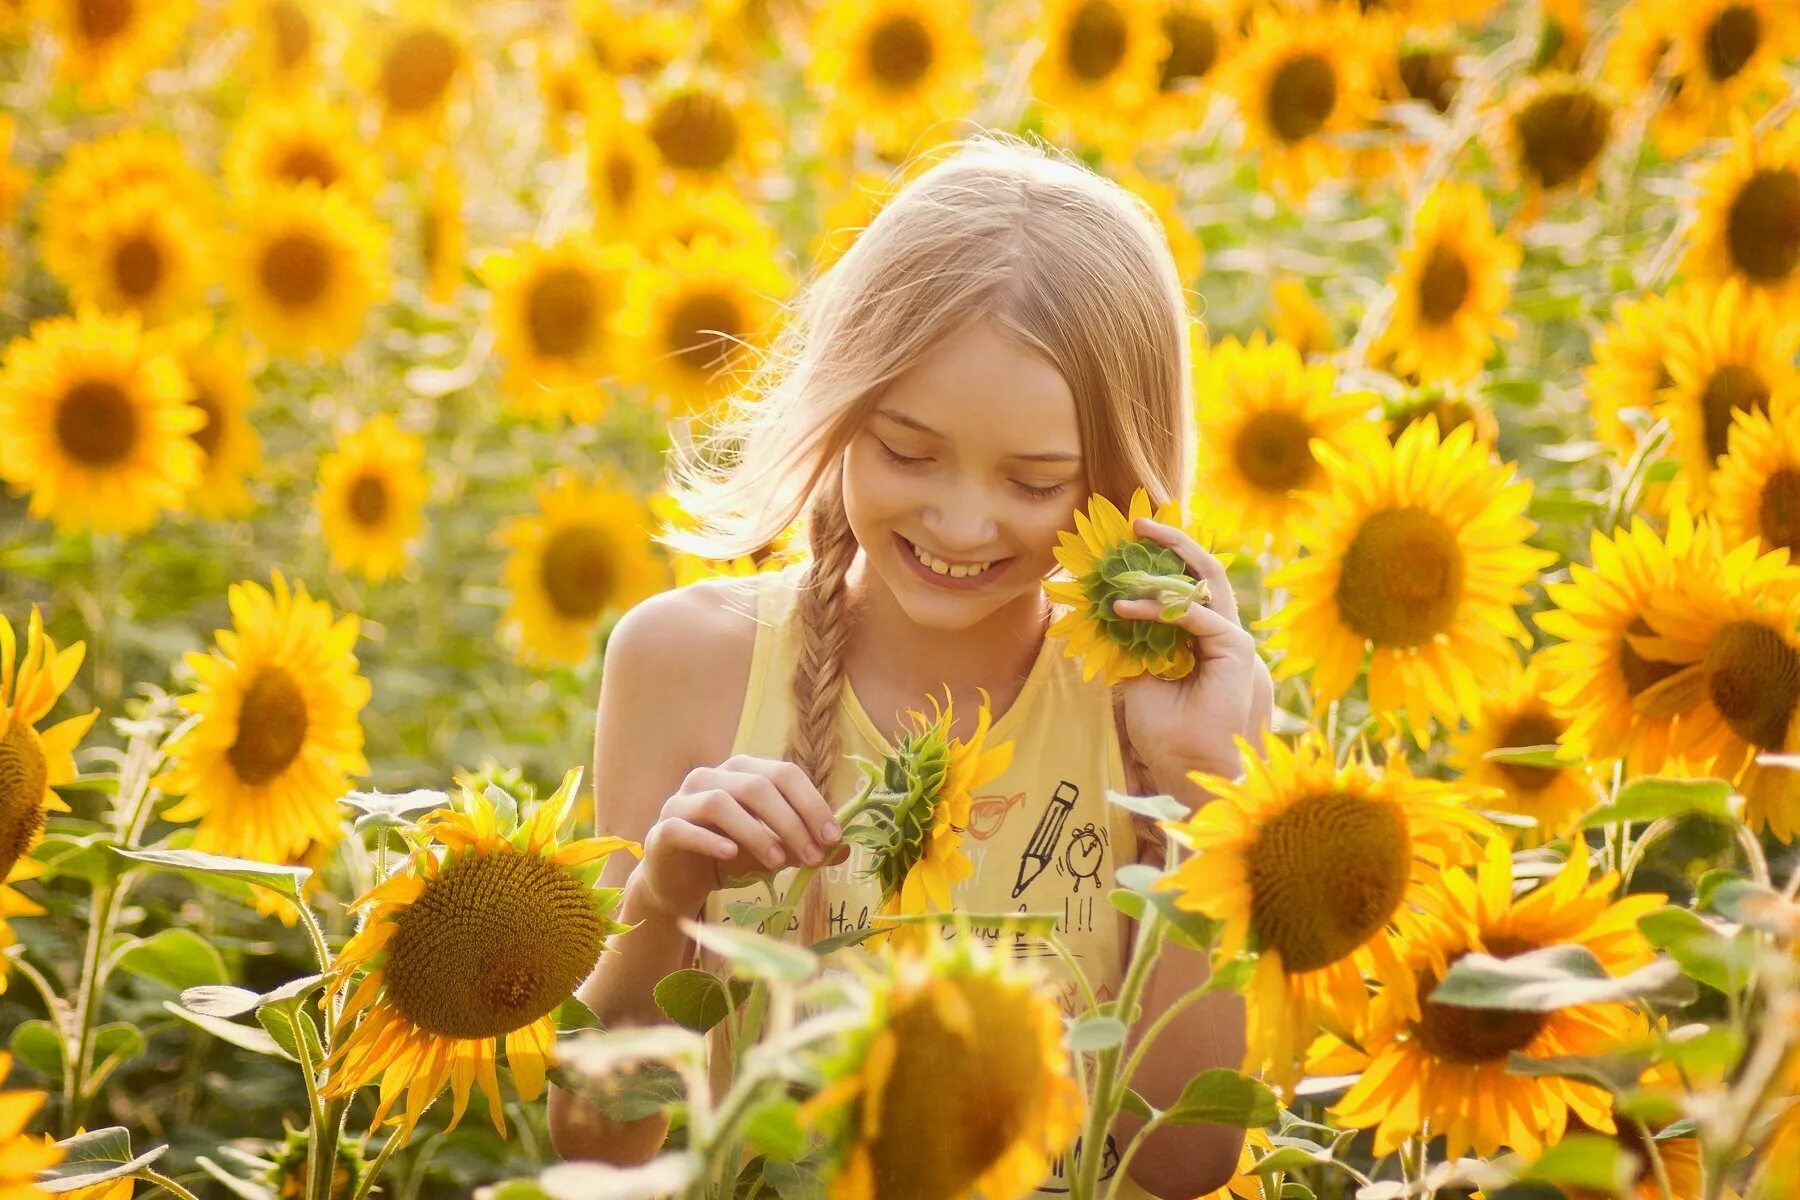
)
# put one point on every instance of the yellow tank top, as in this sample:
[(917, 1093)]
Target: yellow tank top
[(1042, 837)]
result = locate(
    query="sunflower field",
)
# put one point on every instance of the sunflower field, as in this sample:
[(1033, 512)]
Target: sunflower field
[(345, 342)]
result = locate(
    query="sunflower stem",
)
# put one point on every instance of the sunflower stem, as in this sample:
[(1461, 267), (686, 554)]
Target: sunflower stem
[(1657, 1167), (77, 1058), (395, 1140), (322, 1150), (165, 1183), (1109, 1091)]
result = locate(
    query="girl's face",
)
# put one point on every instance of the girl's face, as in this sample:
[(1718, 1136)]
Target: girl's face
[(960, 477)]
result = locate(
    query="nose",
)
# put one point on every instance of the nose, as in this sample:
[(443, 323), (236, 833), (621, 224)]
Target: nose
[(962, 521)]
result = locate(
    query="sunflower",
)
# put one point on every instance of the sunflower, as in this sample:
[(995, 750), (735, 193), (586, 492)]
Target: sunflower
[(1259, 407), (692, 314), (488, 927), (286, 40), (443, 238), (133, 251), (1443, 1067), (555, 310), (218, 376), (1756, 489), (95, 419), (309, 266), (1630, 367), (1516, 712), (122, 162), (631, 37), (849, 202), (15, 180), (1749, 219), (1728, 352), (1451, 289), (1729, 631), (1641, 63), (1417, 555), (1107, 562), (294, 140), (572, 89), (1450, 409), (1200, 35), (623, 169), (1554, 131), (957, 1086), (587, 552), (22, 1156), (278, 738), (707, 212), (1313, 868), (1295, 319), (1728, 55), (418, 66), (895, 67), (33, 762), (106, 46), (1100, 66), (1301, 80), (371, 497), (1164, 204), (706, 129)]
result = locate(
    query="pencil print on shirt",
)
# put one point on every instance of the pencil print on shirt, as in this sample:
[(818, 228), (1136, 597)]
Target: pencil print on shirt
[(1042, 846)]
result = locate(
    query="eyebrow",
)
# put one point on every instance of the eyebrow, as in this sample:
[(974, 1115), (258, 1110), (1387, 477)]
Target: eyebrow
[(1047, 456)]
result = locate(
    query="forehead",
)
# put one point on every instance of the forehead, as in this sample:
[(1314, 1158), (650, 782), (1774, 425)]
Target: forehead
[(980, 388)]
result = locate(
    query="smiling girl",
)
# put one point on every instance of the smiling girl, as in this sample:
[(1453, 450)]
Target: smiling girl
[(1008, 336)]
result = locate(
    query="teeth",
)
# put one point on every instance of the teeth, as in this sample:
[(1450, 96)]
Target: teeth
[(953, 570)]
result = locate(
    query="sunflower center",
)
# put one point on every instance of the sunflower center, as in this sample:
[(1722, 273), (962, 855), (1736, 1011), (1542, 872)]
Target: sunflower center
[(703, 329), (271, 727), (1443, 285), (695, 131), (1733, 388), (24, 774), (293, 33), (96, 424), (1560, 135), (1429, 76), (492, 944), (295, 270), (621, 179), (577, 571), (900, 51), (1753, 679), (308, 164), (418, 70), (1325, 875), (1532, 727), (1473, 1035), (1271, 450), (1641, 673), (561, 310), (208, 435), (956, 1098), (1731, 40), (137, 266), (368, 501), (102, 20), (1763, 226), (1193, 49), (1778, 512), (1301, 97), (1402, 578), (1097, 40)]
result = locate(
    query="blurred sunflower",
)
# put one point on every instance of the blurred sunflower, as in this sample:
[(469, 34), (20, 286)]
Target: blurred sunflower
[(287, 40), (1417, 556), (555, 312), (587, 552), (633, 37), (1100, 66), (1516, 712), (1449, 408), (95, 421), (130, 159), (1184, 246), (1258, 409), (33, 762), (106, 46), (706, 129), (1107, 562), (780, 551), (22, 1156), (1630, 366), (694, 313), (135, 250), (957, 1086), (573, 92), (1731, 632), (1563, 36), (15, 180), (278, 738), (1727, 352), (1756, 489), (415, 65), (1300, 81), (1554, 131), (1749, 218), (623, 168), (1295, 318), (294, 140), (849, 201), (1595, 673), (443, 239), (1641, 63), (1729, 53), (218, 376), (1451, 289), (1314, 868), (707, 212), (895, 67), (490, 925), (371, 497), (1445, 1068), (1200, 36), (309, 266)]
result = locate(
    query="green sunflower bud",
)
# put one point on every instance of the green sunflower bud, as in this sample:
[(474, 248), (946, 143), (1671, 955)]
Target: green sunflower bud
[(1144, 570)]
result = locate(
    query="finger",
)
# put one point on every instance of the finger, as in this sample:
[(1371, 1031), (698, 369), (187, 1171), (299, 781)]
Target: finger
[(760, 795), (1198, 558), (685, 835), (1215, 635), (793, 783), (721, 812)]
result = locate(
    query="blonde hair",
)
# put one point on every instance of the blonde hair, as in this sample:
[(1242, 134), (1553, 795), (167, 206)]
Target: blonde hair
[(1069, 263)]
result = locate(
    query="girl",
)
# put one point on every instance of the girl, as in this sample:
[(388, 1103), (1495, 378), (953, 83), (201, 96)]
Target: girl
[(1007, 336)]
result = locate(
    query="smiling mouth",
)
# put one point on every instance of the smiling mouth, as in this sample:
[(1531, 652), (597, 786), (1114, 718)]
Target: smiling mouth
[(949, 569)]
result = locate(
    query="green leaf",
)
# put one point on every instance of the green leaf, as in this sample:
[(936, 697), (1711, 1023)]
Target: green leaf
[(281, 1021), (1550, 757), (1702, 952), (1555, 977), (1653, 798), (746, 915), (506, 808), (242, 1036), (236, 1001), (1095, 1033), (693, 999), (752, 953), (115, 1043), (838, 941), (627, 1095), (794, 1181), (1704, 1049), (1136, 1105), (175, 958), (95, 1157), (1289, 1158), (1194, 930), (1584, 1160), (397, 804), (1221, 1096), (194, 864), (1649, 1105), (1160, 808), (1616, 1073), (1751, 904), (1295, 1191), (774, 1130), (87, 856), (36, 1044)]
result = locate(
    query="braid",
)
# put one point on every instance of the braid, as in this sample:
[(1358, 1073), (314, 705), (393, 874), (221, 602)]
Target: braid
[(819, 666)]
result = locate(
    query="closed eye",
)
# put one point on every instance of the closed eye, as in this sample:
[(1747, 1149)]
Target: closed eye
[(896, 457), (1041, 493)]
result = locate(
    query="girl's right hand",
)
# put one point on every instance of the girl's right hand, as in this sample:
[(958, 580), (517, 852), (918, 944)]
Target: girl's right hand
[(745, 816)]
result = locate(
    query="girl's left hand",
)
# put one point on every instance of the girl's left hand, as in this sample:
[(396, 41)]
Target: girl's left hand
[(1188, 724)]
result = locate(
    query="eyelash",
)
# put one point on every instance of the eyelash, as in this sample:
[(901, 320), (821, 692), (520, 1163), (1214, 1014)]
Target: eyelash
[(902, 460)]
